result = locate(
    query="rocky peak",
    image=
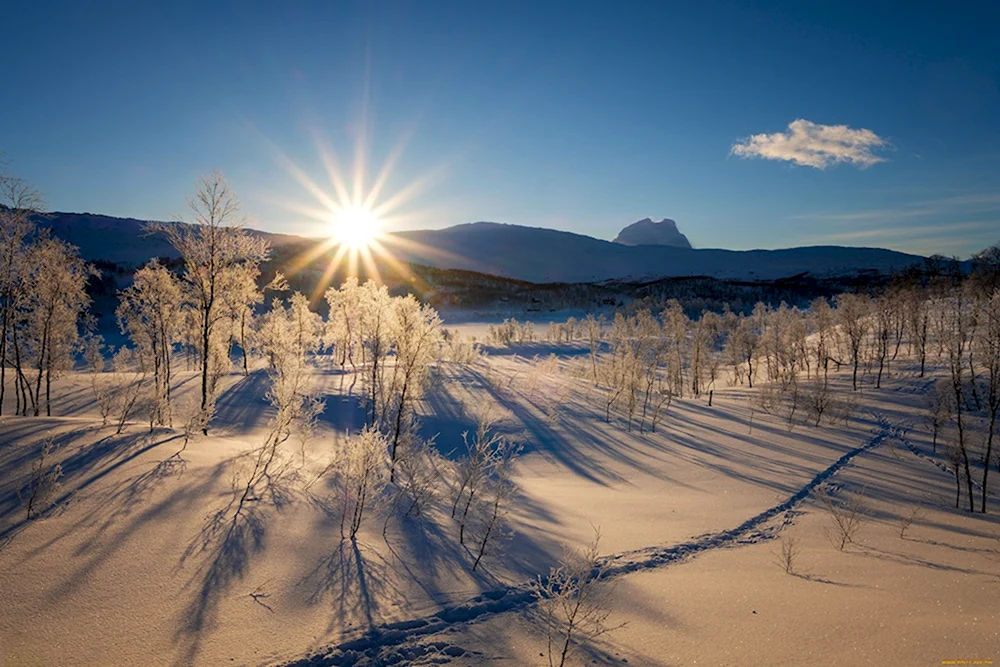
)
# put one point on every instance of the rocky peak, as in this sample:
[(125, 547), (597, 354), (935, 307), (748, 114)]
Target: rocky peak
[(647, 232)]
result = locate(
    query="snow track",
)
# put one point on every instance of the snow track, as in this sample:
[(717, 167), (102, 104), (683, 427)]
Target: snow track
[(398, 643)]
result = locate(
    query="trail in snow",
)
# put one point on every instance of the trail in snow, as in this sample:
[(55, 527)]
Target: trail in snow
[(398, 643)]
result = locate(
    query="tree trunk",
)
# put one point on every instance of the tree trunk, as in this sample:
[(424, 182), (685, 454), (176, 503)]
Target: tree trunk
[(3, 348), (965, 458), (986, 458), (204, 371), (243, 342)]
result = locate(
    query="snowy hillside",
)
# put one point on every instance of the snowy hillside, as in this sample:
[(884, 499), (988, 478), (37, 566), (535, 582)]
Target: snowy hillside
[(547, 255), (120, 240), (513, 251)]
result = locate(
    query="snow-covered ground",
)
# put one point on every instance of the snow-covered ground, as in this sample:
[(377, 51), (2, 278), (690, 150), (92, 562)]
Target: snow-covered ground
[(134, 564)]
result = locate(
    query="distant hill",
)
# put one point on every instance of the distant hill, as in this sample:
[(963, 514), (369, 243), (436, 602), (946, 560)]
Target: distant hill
[(512, 251), (121, 240), (547, 255), (647, 232)]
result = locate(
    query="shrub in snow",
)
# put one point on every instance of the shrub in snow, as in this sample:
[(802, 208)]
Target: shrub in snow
[(43, 484), (574, 602)]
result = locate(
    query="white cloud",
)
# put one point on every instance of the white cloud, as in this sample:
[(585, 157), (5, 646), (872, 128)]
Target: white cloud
[(812, 145)]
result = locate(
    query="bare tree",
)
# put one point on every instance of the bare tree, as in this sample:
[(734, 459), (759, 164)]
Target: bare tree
[(364, 474), (885, 313), (415, 334), (956, 346), (987, 347), (43, 483), (493, 511), (487, 454), (56, 301), (818, 398), (939, 409), (853, 312), (418, 468), (103, 390), (788, 554), (847, 517), (575, 602), (129, 385), (18, 203), (148, 312), (906, 520), (918, 322), (216, 250)]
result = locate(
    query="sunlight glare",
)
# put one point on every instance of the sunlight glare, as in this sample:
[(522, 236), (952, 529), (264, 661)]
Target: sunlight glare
[(356, 228)]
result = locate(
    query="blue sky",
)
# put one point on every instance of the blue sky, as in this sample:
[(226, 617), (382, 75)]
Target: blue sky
[(583, 116)]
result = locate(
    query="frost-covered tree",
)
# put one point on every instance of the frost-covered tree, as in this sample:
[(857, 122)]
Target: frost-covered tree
[(957, 345), (149, 314), (296, 406), (343, 325), (240, 296), (217, 255), (823, 322), (363, 474), (415, 335), (18, 202), (57, 300), (987, 349), (853, 311), (375, 326), (575, 601), (703, 357)]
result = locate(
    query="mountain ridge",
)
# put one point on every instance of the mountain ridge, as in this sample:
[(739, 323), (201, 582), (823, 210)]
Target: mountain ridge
[(534, 254)]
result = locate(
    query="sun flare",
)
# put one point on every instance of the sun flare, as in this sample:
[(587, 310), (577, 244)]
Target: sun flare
[(356, 228)]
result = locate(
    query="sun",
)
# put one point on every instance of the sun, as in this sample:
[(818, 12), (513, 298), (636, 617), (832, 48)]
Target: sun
[(355, 228)]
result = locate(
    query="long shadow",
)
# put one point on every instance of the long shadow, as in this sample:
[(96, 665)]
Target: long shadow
[(905, 559), (184, 498), (102, 457), (130, 494), (545, 439), (244, 407), (355, 583), (538, 348), (805, 576), (231, 537), (385, 638), (342, 412)]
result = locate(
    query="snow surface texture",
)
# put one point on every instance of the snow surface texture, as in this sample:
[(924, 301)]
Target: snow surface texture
[(121, 570), (389, 645), (647, 232)]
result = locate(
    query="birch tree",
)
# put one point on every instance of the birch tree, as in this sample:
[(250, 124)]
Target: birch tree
[(415, 332), (148, 313), (57, 300), (18, 202), (217, 252)]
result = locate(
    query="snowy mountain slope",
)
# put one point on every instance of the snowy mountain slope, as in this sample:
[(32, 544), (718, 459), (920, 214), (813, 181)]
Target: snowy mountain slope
[(513, 251), (120, 240), (547, 255)]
